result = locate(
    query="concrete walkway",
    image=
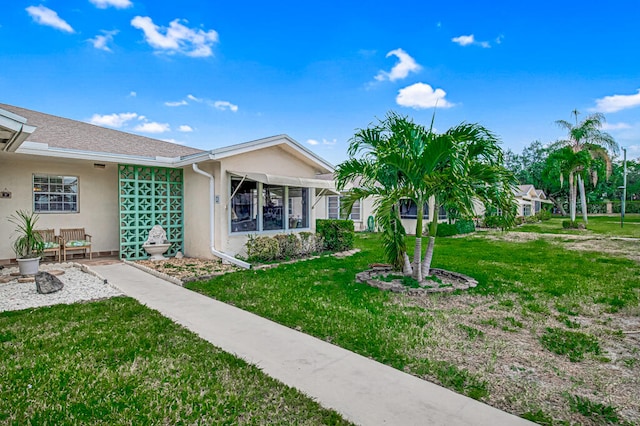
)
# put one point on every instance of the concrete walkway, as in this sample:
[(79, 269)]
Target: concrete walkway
[(363, 391)]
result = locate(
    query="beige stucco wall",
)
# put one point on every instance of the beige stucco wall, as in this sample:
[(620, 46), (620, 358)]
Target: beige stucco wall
[(272, 160), (97, 195)]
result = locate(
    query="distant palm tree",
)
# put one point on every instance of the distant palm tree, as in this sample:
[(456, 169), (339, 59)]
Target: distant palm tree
[(586, 135), (400, 159)]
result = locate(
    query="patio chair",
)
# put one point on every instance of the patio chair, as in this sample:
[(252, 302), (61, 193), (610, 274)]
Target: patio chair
[(75, 239), (51, 242)]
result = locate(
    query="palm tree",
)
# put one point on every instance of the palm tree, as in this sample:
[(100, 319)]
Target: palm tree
[(400, 159), (587, 136), (565, 162)]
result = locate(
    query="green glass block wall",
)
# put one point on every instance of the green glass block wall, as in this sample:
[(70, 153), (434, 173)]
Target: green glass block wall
[(149, 196)]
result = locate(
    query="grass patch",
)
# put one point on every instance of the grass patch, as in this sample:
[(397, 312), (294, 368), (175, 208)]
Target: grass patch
[(574, 344), (598, 412), (118, 362), (321, 298), (599, 225)]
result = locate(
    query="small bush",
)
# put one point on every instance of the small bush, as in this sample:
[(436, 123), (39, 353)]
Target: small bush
[(464, 226), (531, 219), (337, 234), (493, 221), (573, 224), (519, 220), (571, 343), (262, 249), (543, 215), (289, 245), (446, 230)]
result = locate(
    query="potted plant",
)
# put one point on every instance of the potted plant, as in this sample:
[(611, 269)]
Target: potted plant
[(28, 245)]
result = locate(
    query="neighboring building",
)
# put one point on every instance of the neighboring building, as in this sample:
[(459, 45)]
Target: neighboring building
[(530, 200), (118, 185)]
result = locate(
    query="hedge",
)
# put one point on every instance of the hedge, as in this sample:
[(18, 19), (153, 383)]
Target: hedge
[(337, 234)]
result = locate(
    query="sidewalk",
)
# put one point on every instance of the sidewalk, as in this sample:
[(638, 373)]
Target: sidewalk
[(362, 390)]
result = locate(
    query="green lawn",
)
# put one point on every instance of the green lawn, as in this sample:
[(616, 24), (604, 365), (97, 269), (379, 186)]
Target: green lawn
[(532, 291), (118, 362), (598, 225)]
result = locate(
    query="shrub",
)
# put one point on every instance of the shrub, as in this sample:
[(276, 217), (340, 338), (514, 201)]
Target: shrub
[(262, 249), (337, 234), (446, 230), (464, 226), (543, 215), (493, 221), (519, 220), (531, 219), (289, 245), (573, 224)]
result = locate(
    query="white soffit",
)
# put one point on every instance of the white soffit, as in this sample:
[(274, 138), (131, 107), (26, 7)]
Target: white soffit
[(13, 130)]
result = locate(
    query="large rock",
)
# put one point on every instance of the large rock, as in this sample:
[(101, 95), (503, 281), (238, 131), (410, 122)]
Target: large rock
[(47, 283)]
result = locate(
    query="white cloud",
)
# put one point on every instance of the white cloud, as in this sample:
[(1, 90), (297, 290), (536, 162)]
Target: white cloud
[(152, 127), (185, 128), (45, 16), (176, 103), (177, 38), (617, 103), (471, 40), (193, 98), (224, 105), (171, 140), (312, 142), (133, 94), (329, 142), (112, 120), (421, 95), (101, 41), (615, 126), (118, 4), (405, 65)]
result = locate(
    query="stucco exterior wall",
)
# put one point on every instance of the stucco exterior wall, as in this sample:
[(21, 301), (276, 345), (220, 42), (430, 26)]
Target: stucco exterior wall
[(272, 160), (97, 197)]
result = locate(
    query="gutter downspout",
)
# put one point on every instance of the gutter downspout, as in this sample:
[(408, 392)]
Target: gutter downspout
[(212, 198)]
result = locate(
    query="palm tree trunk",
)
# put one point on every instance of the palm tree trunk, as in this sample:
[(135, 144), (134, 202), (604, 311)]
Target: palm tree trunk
[(558, 204), (417, 255), (428, 256), (572, 198), (583, 199), (417, 252), (406, 269)]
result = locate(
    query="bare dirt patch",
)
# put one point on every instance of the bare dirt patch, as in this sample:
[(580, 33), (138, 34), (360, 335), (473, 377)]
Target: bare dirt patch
[(625, 247), (189, 268), (498, 340)]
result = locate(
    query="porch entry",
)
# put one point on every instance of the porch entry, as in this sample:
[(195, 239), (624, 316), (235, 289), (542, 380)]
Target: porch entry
[(149, 196)]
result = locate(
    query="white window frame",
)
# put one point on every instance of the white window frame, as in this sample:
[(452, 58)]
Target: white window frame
[(50, 193), (260, 218), (357, 206)]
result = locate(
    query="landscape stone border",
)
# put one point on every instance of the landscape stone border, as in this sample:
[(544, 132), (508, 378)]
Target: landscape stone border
[(462, 282)]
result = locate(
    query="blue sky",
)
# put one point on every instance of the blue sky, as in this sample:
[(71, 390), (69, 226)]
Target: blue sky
[(209, 73)]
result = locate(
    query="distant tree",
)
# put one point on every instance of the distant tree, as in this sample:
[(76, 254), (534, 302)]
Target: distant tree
[(585, 136)]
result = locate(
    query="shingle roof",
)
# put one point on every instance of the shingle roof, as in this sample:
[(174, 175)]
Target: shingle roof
[(62, 132)]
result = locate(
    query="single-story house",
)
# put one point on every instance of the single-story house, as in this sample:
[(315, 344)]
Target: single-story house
[(364, 209), (530, 200), (119, 185)]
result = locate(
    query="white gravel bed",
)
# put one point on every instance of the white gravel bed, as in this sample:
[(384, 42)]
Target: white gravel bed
[(79, 286)]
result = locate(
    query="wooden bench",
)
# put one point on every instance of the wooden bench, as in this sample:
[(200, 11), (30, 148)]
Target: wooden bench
[(51, 242), (75, 239)]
